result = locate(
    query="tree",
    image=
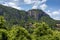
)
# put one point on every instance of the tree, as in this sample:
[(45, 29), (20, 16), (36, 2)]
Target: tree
[(19, 33), (41, 29), (2, 21)]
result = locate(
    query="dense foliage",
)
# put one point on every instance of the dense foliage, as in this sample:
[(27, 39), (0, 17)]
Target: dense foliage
[(37, 31), (26, 25), (22, 18)]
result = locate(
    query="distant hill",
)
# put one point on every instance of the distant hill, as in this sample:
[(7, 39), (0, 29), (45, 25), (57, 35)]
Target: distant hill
[(21, 17)]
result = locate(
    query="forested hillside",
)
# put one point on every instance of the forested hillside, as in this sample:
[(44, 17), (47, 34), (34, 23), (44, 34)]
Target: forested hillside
[(33, 24), (21, 17)]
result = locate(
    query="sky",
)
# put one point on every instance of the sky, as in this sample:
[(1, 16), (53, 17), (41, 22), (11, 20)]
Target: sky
[(51, 7)]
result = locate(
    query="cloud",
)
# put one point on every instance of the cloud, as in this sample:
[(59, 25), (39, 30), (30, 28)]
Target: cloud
[(35, 6), (48, 12), (16, 3), (31, 1), (54, 14), (57, 18), (15, 0), (28, 1), (43, 6), (12, 4), (43, 1), (34, 1), (40, 5)]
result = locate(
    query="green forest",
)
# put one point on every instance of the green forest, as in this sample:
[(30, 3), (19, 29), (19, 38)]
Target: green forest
[(38, 31), (27, 25)]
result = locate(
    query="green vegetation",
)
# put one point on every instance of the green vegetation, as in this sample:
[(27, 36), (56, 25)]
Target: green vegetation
[(22, 18), (27, 25), (38, 31)]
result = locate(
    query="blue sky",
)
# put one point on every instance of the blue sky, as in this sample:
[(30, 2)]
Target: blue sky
[(51, 7)]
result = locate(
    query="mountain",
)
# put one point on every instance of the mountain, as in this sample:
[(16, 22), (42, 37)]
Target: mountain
[(41, 16), (21, 17)]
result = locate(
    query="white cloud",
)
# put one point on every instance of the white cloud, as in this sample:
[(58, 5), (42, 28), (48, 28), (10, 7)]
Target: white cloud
[(57, 12), (57, 18), (54, 14), (43, 1), (12, 4), (35, 6), (40, 4), (43, 6), (15, 0), (48, 12), (16, 3), (5, 4), (28, 1), (34, 1)]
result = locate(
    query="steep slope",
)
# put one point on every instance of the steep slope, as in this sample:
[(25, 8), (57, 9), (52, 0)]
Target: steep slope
[(40, 16), (21, 17), (13, 16), (37, 14)]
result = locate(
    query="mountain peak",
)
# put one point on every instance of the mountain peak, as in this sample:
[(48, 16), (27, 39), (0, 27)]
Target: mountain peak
[(14, 16)]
